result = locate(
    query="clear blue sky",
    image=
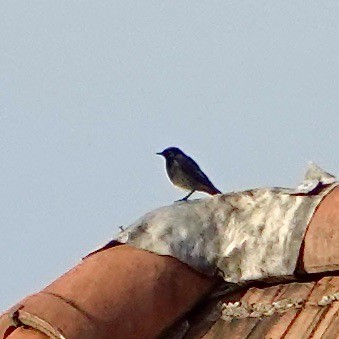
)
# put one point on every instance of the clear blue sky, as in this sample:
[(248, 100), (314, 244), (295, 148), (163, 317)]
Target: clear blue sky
[(89, 91)]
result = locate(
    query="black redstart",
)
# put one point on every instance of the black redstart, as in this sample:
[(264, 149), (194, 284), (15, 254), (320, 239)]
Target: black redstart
[(185, 173)]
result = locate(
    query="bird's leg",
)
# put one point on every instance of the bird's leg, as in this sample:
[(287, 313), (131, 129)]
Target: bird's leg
[(187, 196)]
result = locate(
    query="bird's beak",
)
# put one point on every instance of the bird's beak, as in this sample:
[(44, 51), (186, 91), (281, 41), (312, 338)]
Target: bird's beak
[(159, 153)]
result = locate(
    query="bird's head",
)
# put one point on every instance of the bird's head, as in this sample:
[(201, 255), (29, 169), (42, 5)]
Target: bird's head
[(170, 152)]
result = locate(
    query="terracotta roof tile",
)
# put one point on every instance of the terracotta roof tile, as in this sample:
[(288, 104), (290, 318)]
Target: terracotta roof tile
[(311, 320), (321, 244)]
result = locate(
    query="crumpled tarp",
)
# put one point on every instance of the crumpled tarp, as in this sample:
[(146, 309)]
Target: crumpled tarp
[(242, 236)]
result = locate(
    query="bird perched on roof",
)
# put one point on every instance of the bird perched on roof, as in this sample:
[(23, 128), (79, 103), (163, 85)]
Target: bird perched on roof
[(185, 173)]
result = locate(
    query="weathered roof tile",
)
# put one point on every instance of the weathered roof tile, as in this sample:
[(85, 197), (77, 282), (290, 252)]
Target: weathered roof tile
[(311, 320)]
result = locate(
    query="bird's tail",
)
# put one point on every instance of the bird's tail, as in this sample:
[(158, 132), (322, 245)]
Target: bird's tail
[(212, 190)]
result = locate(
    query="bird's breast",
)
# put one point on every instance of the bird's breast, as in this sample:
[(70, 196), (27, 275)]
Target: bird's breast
[(177, 176)]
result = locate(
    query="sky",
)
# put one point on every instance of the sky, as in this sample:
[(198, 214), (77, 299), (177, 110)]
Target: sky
[(90, 91)]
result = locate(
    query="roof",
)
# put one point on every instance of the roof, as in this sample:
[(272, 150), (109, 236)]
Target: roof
[(293, 310), (124, 292), (307, 308)]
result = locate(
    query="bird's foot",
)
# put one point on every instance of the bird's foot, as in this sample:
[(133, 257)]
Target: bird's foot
[(180, 200)]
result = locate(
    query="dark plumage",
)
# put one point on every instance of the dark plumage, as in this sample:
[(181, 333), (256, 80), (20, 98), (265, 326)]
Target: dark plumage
[(185, 173)]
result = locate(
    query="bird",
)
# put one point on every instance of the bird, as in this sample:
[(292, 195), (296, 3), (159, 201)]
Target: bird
[(185, 173)]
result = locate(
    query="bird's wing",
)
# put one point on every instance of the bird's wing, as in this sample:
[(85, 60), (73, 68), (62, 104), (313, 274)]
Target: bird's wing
[(192, 169)]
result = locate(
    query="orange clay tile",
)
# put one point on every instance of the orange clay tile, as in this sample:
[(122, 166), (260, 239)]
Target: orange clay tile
[(121, 292), (311, 321), (321, 244)]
